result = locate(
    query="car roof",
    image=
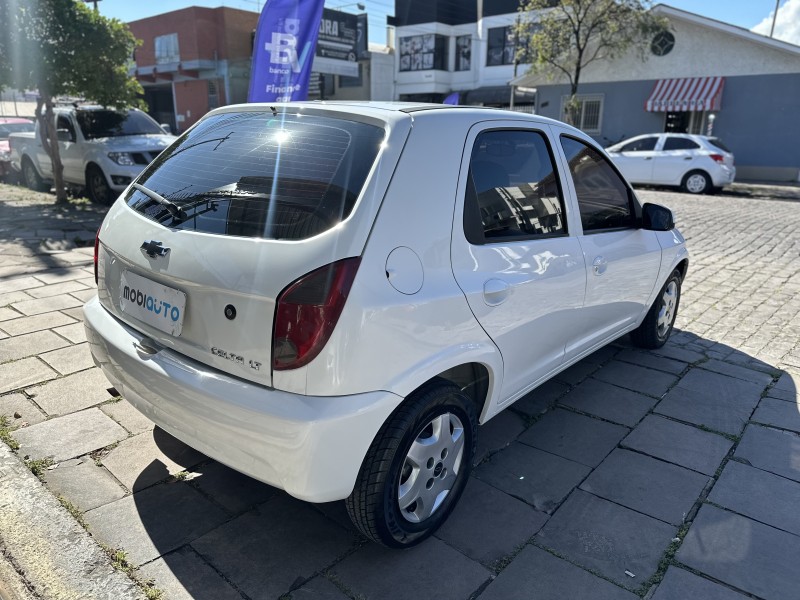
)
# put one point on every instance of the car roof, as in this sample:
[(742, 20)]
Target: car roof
[(14, 120), (393, 111)]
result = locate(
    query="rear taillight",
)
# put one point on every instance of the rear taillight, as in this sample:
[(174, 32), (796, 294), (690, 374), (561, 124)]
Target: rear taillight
[(717, 158), (96, 250), (307, 312)]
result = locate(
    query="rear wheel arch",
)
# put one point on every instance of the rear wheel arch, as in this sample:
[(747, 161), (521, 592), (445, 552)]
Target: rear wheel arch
[(473, 379)]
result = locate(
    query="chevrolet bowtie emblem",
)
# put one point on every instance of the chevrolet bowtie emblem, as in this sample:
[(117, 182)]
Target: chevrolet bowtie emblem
[(154, 249)]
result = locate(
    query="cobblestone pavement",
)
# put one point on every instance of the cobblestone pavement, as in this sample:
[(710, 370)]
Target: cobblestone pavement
[(669, 474)]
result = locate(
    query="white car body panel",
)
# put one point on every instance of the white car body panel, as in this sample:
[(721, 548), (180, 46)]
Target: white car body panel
[(416, 308)]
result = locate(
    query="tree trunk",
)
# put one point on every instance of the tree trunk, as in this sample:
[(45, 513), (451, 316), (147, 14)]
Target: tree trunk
[(573, 110), (49, 139)]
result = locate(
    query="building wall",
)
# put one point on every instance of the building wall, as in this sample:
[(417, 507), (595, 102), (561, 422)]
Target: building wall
[(203, 33), (758, 120), (191, 102), (450, 12), (699, 52), (219, 37), (444, 82)]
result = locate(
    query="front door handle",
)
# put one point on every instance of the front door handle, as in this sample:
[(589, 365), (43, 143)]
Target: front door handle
[(495, 292), (599, 265), (687, 158)]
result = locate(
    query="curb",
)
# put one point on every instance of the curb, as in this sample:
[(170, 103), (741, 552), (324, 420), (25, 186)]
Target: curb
[(55, 556)]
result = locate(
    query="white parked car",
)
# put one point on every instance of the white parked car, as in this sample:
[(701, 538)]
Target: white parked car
[(330, 297), (696, 163), (102, 150)]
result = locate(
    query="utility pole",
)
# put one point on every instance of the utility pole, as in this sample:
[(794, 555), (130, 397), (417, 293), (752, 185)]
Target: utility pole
[(774, 17)]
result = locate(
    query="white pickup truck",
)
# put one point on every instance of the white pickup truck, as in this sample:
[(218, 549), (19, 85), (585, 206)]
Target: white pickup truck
[(101, 149)]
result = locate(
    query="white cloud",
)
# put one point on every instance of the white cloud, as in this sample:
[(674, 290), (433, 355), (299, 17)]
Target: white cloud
[(787, 26)]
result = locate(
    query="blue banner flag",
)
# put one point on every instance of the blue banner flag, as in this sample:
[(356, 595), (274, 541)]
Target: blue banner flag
[(451, 99), (284, 50)]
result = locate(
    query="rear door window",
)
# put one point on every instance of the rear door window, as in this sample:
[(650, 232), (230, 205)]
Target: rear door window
[(679, 143), (254, 174), (513, 190), (603, 197)]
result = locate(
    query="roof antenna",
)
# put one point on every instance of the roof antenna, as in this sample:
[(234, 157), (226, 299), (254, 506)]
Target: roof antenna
[(274, 111)]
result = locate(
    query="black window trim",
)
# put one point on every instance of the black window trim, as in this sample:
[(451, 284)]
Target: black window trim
[(633, 204), (471, 223)]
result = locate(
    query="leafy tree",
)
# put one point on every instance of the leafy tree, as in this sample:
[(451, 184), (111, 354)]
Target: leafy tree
[(63, 48), (560, 38)]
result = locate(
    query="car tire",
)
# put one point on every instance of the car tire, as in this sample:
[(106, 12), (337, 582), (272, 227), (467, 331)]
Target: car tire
[(657, 325), (97, 186), (33, 181), (416, 468), (696, 182)]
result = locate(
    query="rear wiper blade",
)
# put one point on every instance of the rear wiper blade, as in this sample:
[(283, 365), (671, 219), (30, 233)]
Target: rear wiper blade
[(173, 208)]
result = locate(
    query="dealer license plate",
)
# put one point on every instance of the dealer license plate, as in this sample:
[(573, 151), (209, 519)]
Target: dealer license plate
[(157, 305)]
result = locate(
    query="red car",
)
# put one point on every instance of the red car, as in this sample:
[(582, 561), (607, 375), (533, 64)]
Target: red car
[(10, 125)]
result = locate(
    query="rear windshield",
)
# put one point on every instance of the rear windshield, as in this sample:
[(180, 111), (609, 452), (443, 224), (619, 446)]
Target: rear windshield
[(253, 174), (114, 123), (718, 143)]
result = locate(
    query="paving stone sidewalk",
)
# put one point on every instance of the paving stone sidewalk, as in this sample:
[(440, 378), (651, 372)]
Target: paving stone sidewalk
[(668, 475)]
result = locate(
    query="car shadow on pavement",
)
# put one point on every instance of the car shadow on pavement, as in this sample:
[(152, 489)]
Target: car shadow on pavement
[(682, 464)]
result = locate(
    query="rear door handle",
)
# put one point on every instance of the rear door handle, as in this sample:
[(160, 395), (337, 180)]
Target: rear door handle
[(495, 292), (687, 158)]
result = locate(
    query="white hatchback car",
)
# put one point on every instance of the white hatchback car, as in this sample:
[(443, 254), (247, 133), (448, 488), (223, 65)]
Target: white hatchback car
[(696, 163), (330, 297)]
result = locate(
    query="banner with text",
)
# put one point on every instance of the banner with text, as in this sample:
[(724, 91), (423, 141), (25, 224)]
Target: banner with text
[(337, 50), (284, 50)]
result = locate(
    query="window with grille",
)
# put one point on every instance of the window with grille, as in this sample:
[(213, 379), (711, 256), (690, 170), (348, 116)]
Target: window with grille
[(590, 113)]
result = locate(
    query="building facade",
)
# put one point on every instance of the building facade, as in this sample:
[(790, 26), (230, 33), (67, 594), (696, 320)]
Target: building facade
[(196, 59), (193, 60), (699, 76), (465, 47)]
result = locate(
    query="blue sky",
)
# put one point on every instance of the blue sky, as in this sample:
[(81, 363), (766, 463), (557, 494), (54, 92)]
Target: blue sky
[(744, 13)]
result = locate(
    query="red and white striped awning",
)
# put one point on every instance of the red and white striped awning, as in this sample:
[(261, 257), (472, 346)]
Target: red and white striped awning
[(687, 94)]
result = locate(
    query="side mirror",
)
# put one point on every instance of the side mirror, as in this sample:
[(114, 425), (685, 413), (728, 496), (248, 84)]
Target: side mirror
[(167, 128), (64, 135), (657, 218)]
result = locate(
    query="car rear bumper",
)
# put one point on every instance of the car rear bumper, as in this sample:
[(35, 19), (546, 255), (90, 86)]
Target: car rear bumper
[(311, 447), (724, 176)]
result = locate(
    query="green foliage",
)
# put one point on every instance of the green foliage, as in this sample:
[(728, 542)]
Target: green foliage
[(39, 466), (560, 39), (62, 47), (5, 433)]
